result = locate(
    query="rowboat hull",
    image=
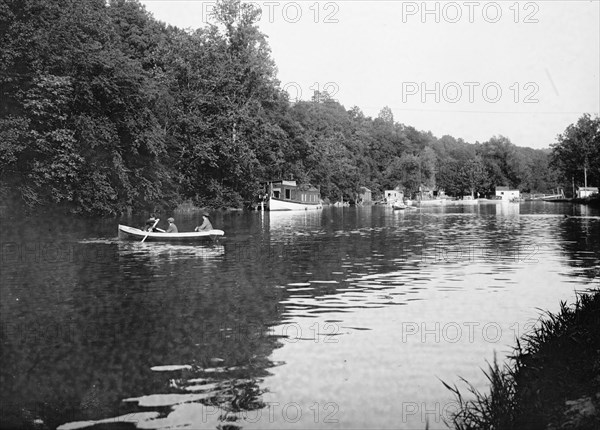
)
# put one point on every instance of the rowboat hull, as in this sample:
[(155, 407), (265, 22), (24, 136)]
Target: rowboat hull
[(132, 233)]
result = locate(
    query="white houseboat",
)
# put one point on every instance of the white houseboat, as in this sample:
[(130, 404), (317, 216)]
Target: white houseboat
[(288, 196)]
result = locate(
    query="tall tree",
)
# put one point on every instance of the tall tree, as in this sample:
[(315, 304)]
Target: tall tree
[(226, 91), (499, 156), (386, 115), (473, 177), (91, 144), (576, 153)]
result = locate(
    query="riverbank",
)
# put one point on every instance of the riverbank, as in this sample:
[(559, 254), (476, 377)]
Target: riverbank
[(552, 380)]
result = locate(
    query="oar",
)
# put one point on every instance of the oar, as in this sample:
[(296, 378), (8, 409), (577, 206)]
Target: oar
[(156, 222)]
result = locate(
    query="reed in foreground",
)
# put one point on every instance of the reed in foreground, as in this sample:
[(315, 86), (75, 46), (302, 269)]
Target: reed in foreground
[(551, 382)]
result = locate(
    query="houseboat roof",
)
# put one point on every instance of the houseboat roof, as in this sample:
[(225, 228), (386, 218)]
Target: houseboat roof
[(588, 189), (301, 187), (282, 182)]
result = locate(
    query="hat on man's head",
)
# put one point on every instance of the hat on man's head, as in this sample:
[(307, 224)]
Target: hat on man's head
[(206, 215), (171, 220)]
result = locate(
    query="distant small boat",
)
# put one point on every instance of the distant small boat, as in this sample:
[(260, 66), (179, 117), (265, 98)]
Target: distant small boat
[(493, 200), (465, 201), (556, 198), (398, 205), (126, 232), (431, 202)]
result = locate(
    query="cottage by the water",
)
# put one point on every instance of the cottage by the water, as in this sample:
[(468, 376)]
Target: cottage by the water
[(392, 196), (583, 192), (506, 193)]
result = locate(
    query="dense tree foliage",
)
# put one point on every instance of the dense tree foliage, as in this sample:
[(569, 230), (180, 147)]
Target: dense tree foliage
[(576, 154), (106, 110), (78, 106)]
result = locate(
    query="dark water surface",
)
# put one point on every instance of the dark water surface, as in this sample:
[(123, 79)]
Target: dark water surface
[(340, 318)]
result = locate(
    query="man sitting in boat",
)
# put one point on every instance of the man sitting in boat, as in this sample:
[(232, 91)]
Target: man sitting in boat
[(150, 224), (206, 225), (172, 227)]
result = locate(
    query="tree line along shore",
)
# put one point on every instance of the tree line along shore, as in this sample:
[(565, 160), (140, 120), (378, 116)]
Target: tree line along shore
[(106, 110)]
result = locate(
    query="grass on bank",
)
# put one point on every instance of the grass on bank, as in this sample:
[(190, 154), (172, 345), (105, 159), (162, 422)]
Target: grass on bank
[(552, 380)]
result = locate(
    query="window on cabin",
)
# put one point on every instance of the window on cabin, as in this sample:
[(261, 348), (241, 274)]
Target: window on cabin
[(288, 194)]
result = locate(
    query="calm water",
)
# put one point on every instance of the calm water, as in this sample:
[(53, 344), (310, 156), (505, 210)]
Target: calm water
[(342, 318)]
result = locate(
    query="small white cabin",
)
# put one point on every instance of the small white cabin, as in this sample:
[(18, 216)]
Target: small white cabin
[(586, 191), (392, 196), (506, 193)]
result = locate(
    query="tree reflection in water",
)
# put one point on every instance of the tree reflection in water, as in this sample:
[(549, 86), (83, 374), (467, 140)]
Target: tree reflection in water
[(580, 242), (120, 334)]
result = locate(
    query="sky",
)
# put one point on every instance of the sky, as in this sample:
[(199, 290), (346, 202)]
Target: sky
[(470, 69)]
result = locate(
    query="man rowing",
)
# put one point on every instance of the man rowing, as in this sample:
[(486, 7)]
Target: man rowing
[(150, 224)]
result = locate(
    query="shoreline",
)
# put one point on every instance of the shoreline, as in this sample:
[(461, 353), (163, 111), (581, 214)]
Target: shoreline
[(552, 380)]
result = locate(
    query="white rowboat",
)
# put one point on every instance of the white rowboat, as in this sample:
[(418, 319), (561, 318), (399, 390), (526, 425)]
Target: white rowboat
[(126, 232)]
